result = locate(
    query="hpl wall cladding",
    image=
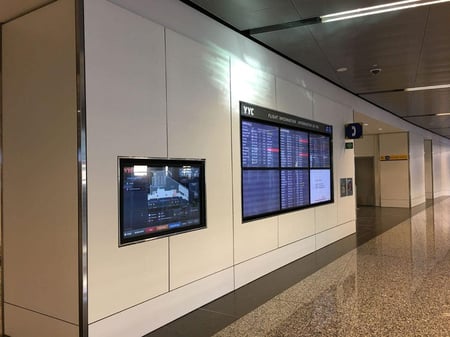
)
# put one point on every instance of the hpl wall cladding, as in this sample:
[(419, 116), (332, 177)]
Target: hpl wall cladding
[(153, 92)]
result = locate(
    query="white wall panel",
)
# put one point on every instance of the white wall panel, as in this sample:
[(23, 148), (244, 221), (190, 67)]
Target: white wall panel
[(126, 114), (294, 226), (326, 217), (394, 183), (150, 315), (416, 169), (254, 268), (24, 323), (39, 178), (336, 233), (254, 86), (366, 146), (293, 99), (199, 126)]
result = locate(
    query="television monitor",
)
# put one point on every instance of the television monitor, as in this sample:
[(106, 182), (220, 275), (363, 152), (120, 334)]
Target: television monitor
[(159, 197)]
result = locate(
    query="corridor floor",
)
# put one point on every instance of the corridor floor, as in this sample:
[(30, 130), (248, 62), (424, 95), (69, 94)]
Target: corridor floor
[(391, 279)]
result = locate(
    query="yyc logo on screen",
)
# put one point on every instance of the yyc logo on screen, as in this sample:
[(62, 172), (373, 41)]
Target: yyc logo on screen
[(248, 111)]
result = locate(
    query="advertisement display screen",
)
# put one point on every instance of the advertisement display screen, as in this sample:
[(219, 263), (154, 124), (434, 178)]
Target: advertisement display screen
[(286, 162), (160, 197)]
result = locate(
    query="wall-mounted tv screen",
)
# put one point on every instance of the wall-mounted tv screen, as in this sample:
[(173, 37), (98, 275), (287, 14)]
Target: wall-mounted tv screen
[(286, 162), (158, 197)]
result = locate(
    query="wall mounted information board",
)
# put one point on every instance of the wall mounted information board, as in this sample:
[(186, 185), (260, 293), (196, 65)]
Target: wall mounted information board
[(286, 162), (158, 197)]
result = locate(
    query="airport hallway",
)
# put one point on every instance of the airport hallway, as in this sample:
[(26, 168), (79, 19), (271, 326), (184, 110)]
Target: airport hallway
[(390, 279)]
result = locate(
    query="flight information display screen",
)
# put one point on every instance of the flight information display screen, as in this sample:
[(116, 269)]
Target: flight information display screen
[(294, 148), (319, 151), (259, 145), (320, 186), (286, 162), (260, 190), (160, 197), (294, 188)]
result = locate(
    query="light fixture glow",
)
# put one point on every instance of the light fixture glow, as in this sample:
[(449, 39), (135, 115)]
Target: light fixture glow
[(341, 69), (443, 114), (390, 7), (430, 87)]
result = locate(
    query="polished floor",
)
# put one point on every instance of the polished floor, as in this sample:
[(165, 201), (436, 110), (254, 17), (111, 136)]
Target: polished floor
[(392, 278)]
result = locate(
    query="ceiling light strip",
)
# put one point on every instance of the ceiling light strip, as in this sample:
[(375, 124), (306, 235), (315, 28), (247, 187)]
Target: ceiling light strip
[(366, 9), (430, 87), (394, 6)]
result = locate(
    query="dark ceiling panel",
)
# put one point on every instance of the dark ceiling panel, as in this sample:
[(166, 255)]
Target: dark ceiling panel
[(442, 131), (434, 67), (391, 41), (432, 122), (313, 8), (413, 103), (251, 13), (300, 46), (412, 47)]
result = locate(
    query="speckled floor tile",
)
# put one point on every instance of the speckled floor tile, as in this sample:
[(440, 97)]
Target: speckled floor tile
[(397, 284)]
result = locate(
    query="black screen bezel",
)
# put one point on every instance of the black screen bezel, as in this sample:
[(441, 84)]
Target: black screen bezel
[(160, 162)]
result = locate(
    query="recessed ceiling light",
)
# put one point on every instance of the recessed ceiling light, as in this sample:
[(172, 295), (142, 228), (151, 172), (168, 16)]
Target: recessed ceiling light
[(390, 7), (341, 69), (365, 124), (380, 129), (430, 87)]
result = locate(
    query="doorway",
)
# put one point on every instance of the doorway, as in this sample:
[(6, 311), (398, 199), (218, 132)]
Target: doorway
[(428, 150), (365, 181)]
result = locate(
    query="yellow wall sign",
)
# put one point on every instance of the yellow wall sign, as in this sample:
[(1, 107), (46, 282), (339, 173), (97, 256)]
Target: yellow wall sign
[(394, 157)]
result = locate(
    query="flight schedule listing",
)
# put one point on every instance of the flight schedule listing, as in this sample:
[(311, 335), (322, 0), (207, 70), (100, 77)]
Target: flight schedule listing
[(319, 151), (293, 148), (260, 192), (294, 188), (260, 145)]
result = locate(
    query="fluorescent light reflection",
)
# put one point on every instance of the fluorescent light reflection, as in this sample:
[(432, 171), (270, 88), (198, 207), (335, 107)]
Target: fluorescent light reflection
[(443, 114), (430, 87), (390, 7)]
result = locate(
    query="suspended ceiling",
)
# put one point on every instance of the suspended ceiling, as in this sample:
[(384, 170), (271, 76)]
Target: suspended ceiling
[(411, 47)]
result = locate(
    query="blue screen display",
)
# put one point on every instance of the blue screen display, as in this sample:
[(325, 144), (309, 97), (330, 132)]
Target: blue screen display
[(260, 145), (260, 192), (319, 151), (294, 188), (294, 148), (283, 168)]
